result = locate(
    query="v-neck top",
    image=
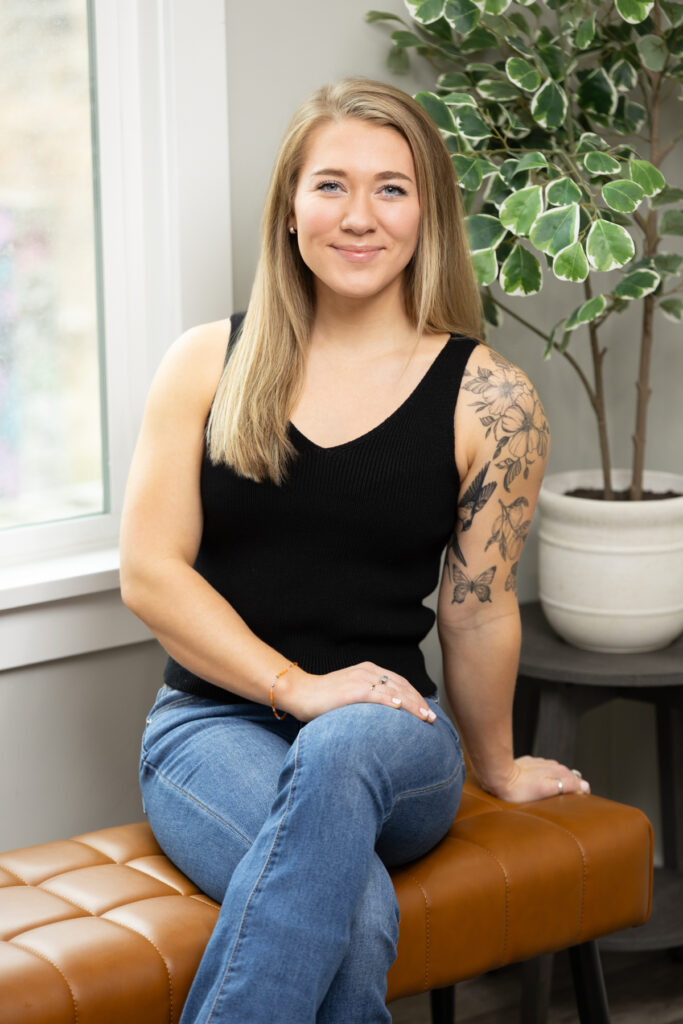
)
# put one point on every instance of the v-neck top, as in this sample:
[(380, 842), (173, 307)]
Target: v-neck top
[(332, 567)]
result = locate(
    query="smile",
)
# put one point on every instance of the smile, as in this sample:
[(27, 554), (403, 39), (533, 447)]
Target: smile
[(357, 255)]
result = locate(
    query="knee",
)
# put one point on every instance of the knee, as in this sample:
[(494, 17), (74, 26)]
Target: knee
[(346, 739)]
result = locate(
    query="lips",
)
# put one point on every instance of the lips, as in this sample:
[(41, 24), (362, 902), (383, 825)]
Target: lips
[(357, 254)]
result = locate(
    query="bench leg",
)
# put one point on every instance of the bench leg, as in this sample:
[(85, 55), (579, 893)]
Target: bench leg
[(443, 1005), (589, 984), (537, 977)]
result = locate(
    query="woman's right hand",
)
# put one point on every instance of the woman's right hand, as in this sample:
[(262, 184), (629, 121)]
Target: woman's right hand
[(305, 695)]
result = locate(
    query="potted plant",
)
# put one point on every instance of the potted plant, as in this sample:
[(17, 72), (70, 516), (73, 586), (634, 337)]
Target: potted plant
[(552, 113)]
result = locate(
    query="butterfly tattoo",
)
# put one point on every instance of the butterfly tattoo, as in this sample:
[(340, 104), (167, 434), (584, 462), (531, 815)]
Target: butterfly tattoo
[(473, 501), (463, 585)]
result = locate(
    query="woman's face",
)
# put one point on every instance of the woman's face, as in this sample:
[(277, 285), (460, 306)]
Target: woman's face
[(356, 208)]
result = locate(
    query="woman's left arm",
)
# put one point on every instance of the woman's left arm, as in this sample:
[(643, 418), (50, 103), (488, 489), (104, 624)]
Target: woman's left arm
[(502, 443)]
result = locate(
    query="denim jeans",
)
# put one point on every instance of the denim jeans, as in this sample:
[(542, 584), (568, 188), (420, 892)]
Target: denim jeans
[(291, 827)]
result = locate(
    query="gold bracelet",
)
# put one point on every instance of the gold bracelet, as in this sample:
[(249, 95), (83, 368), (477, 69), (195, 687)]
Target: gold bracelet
[(292, 664)]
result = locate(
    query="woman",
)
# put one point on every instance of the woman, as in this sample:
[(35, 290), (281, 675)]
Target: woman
[(286, 514)]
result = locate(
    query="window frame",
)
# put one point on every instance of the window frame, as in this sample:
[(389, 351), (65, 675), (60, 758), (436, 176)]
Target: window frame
[(162, 162)]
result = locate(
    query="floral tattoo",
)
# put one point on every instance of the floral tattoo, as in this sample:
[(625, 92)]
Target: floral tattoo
[(514, 415), (472, 501), (510, 529)]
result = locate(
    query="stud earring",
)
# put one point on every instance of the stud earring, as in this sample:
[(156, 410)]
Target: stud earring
[(292, 229)]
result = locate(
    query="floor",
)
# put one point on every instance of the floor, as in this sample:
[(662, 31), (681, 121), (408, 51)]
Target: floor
[(641, 989)]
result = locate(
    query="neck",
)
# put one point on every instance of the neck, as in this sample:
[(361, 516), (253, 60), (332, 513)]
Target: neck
[(373, 326)]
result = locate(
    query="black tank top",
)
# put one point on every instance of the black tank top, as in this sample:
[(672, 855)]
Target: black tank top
[(332, 567)]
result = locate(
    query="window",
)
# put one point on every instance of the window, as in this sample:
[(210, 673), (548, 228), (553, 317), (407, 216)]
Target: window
[(158, 72), (51, 437)]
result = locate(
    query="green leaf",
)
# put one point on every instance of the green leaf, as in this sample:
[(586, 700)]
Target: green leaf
[(425, 11), (485, 232), (562, 191), (671, 222), (667, 263), (459, 99), (486, 266), (498, 192), (586, 32), (530, 161), (653, 51), (521, 273), (496, 6), (520, 210), (571, 264), (479, 39), (647, 176), (624, 76), (492, 313), (637, 284), (470, 125), (608, 246), (549, 105), (371, 16), (622, 195), (666, 196), (522, 74), (586, 312), (398, 60), (601, 163), (453, 80), (437, 110), (629, 116), (589, 142), (554, 230), (672, 309), (597, 93), (468, 171), (633, 11), (518, 44), (499, 91), (674, 12), (404, 39), (461, 15)]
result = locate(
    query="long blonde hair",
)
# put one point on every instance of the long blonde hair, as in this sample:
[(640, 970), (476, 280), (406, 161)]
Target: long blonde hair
[(248, 424)]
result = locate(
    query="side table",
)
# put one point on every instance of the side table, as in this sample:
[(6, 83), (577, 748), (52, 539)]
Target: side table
[(556, 684)]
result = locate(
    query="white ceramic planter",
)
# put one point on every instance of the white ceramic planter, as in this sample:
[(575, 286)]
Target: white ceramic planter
[(611, 572)]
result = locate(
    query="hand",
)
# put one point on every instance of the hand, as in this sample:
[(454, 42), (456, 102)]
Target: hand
[(305, 695), (536, 778)]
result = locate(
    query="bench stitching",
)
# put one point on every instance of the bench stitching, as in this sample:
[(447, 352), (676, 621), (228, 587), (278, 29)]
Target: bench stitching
[(506, 879), (584, 868), (427, 927), (42, 956), (135, 931)]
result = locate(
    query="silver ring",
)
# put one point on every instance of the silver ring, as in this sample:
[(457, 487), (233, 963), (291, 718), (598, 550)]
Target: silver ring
[(575, 771), (384, 679), (560, 786)]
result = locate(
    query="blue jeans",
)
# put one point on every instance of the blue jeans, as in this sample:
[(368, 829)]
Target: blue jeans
[(290, 827)]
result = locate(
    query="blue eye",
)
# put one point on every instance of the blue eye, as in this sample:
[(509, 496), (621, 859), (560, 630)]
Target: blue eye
[(396, 190), (328, 186)]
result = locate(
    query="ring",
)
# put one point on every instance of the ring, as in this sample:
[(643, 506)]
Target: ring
[(384, 679), (575, 771), (560, 786)]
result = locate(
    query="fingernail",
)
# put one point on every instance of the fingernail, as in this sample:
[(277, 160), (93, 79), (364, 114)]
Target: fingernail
[(396, 700), (432, 716), (585, 788), (425, 712)]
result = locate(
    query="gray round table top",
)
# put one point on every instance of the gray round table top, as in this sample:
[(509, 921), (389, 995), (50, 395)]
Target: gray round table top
[(547, 656)]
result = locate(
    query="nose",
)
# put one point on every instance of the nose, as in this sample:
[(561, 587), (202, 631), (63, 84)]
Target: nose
[(359, 216)]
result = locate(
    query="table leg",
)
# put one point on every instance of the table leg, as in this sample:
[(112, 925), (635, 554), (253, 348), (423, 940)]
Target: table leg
[(670, 756), (559, 710)]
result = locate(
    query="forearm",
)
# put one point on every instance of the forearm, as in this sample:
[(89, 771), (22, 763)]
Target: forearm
[(201, 630), (480, 669)]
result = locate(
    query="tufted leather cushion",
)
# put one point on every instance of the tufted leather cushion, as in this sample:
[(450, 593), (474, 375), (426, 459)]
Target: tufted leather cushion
[(102, 928)]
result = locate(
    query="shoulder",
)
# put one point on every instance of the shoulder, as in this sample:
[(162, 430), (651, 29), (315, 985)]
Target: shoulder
[(499, 413), (192, 366)]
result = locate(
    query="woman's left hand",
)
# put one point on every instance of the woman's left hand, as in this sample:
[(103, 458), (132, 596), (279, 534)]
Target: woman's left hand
[(536, 778)]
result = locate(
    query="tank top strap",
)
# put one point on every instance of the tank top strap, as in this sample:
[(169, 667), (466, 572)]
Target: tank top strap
[(235, 324)]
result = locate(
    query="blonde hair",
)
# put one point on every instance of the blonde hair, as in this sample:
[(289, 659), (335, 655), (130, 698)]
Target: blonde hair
[(249, 419)]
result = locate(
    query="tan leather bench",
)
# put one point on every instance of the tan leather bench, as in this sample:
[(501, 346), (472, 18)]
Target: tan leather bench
[(103, 929)]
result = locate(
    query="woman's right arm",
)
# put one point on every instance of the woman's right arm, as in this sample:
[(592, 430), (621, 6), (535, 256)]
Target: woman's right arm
[(160, 536)]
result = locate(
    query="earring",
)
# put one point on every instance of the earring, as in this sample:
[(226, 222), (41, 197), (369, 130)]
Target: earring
[(292, 229)]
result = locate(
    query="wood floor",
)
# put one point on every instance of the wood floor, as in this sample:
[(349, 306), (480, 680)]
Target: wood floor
[(641, 989)]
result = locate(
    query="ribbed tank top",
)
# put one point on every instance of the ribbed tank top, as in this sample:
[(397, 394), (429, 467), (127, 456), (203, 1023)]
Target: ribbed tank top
[(332, 567)]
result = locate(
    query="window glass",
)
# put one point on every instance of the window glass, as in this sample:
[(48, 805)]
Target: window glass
[(51, 391)]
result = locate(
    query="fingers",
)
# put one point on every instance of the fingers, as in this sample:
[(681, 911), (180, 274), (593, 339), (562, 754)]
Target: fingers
[(389, 688)]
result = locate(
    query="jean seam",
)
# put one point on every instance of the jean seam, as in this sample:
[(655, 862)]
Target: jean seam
[(428, 789), (259, 879), (194, 799)]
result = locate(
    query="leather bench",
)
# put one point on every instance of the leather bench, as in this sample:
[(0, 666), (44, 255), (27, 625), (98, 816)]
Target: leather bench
[(103, 929)]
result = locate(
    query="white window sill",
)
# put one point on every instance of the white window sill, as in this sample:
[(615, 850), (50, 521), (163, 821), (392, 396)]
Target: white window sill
[(64, 606)]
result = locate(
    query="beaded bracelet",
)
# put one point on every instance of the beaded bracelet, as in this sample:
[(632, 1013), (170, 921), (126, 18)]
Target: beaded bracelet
[(292, 664)]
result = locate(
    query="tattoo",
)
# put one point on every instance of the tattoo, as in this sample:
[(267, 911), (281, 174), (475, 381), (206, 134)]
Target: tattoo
[(510, 529), (511, 581), (513, 413), (473, 501), (463, 585)]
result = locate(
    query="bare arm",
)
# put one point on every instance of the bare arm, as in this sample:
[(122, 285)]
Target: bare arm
[(160, 537), (501, 453)]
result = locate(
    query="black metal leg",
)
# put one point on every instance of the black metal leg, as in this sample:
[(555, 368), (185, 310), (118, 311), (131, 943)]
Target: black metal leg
[(537, 976), (589, 984), (443, 1005)]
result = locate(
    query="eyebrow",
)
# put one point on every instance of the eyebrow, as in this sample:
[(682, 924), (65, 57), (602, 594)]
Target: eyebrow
[(382, 176)]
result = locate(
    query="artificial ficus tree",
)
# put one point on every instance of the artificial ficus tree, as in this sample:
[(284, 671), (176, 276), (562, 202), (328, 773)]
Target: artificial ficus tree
[(552, 113)]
